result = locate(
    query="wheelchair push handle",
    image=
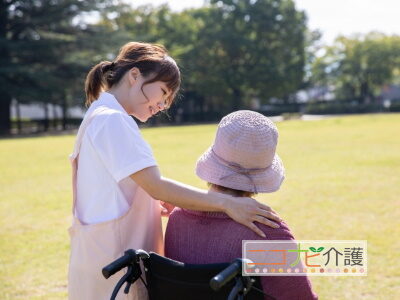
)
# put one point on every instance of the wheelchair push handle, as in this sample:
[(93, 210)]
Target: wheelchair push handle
[(130, 257), (226, 275)]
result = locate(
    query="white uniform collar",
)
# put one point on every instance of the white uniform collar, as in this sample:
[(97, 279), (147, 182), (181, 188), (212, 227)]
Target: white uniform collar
[(109, 100)]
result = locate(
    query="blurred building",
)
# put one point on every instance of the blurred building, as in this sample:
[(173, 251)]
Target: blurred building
[(37, 111)]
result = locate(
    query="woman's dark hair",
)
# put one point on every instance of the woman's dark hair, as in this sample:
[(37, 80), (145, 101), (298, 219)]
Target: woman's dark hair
[(151, 60)]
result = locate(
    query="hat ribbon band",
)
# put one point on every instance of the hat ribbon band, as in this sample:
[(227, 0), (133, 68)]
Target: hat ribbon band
[(236, 168)]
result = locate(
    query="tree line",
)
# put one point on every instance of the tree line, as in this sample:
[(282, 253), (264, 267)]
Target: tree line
[(231, 53)]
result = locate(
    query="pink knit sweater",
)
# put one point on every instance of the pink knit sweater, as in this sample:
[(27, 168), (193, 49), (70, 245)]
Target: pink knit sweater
[(210, 237)]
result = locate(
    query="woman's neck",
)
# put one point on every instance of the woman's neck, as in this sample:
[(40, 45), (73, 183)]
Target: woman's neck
[(118, 92)]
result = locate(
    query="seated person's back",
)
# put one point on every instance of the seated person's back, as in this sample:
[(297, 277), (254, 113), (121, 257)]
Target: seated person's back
[(242, 162)]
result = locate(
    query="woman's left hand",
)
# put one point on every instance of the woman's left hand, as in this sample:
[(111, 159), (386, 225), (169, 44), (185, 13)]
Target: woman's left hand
[(166, 208), (246, 211)]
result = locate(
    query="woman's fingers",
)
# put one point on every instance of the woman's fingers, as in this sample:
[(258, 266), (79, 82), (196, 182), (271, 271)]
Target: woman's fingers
[(247, 211), (266, 207), (261, 220), (265, 221), (166, 208), (269, 215), (256, 229)]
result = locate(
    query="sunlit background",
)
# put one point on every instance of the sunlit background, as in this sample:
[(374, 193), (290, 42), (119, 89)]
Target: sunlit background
[(327, 72)]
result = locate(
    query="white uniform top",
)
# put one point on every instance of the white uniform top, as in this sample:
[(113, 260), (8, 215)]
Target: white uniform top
[(111, 150)]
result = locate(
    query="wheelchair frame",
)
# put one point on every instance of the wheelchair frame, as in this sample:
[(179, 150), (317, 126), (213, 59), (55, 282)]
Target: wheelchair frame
[(168, 279)]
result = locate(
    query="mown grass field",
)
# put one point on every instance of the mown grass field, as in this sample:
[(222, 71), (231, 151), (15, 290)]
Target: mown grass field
[(343, 183)]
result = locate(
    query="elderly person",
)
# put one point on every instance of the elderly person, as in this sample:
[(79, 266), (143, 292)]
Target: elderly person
[(241, 162)]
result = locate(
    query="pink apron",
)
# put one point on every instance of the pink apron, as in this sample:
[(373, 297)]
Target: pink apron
[(94, 246)]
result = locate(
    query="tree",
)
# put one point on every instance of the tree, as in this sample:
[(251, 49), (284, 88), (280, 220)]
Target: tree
[(229, 51), (36, 37), (358, 66), (249, 49)]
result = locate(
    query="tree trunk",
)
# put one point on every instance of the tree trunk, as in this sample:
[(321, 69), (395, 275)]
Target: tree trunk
[(5, 116), (46, 117), (5, 97), (55, 116), (364, 92), (18, 113), (64, 108), (237, 99)]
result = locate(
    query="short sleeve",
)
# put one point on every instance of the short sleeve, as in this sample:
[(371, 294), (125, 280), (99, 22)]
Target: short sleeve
[(120, 145)]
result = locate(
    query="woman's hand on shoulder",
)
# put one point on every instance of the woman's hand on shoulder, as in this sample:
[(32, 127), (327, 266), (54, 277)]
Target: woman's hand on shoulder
[(246, 211)]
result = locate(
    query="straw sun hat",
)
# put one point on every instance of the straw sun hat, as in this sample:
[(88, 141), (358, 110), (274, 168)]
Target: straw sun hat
[(243, 154)]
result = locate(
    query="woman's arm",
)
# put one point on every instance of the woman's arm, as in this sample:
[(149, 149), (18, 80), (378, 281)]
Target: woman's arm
[(243, 210)]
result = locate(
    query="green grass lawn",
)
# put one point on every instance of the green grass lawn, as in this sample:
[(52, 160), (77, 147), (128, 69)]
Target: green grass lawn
[(343, 183)]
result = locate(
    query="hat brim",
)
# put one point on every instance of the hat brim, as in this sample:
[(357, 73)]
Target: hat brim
[(211, 170)]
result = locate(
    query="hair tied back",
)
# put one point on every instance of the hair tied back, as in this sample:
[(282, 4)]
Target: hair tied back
[(108, 66)]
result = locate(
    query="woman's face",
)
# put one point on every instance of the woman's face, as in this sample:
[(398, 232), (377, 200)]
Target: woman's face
[(149, 100)]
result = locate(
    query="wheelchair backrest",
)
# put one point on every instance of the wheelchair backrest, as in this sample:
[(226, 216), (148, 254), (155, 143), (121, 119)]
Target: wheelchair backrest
[(172, 280)]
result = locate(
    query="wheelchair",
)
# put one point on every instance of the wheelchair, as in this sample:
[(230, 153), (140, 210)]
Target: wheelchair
[(167, 279)]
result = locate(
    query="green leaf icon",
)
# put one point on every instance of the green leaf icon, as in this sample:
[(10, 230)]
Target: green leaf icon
[(313, 249), (320, 249)]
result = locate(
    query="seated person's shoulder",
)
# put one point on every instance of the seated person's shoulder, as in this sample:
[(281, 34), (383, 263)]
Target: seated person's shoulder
[(281, 233)]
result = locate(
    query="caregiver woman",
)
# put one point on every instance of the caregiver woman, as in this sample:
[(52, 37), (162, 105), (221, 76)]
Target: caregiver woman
[(115, 176)]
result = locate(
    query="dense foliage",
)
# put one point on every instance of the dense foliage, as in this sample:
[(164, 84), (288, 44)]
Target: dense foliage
[(233, 54)]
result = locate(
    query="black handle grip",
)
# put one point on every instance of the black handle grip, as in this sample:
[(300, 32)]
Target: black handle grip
[(120, 263), (226, 275)]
